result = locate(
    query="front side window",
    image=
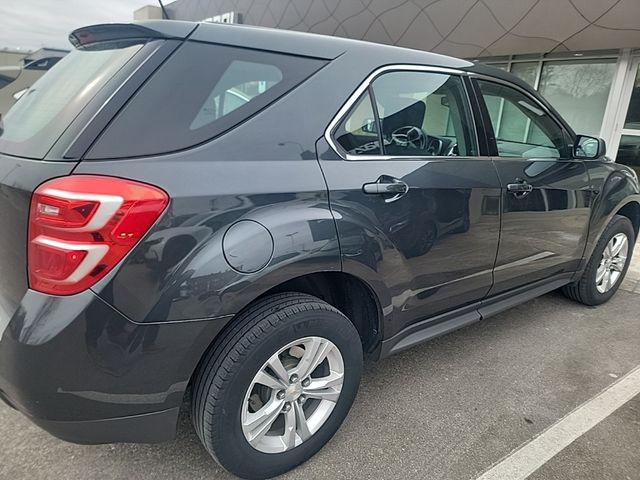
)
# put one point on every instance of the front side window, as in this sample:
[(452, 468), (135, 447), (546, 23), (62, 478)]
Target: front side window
[(522, 128)]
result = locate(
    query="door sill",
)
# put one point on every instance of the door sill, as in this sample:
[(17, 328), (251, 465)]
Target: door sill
[(447, 322)]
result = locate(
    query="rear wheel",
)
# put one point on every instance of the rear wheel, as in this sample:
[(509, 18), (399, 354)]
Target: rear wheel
[(607, 266), (277, 386)]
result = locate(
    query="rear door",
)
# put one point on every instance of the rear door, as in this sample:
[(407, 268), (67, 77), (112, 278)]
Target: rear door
[(545, 192), (416, 207)]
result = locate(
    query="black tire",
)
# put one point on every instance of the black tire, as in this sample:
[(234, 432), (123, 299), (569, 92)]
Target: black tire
[(226, 372), (584, 290)]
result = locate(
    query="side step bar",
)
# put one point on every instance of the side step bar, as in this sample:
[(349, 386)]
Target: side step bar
[(437, 326)]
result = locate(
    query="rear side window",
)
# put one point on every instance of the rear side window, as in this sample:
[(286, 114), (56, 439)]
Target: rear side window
[(202, 91), (46, 109)]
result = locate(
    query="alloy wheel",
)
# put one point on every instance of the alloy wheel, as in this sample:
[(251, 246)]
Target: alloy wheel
[(614, 259), (292, 395)]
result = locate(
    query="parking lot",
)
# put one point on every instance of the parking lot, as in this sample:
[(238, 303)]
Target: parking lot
[(449, 409)]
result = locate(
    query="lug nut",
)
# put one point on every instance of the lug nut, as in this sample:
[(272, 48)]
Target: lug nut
[(302, 399), (280, 395), (293, 379), (287, 407), (306, 382)]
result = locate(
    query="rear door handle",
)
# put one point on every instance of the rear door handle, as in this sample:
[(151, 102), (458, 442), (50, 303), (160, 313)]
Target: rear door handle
[(520, 188), (386, 185)]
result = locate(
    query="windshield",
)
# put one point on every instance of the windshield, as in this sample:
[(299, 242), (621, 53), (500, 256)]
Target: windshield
[(46, 109)]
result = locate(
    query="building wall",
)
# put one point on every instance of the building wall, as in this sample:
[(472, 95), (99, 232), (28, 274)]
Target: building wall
[(11, 58), (148, 12), (462, 28)]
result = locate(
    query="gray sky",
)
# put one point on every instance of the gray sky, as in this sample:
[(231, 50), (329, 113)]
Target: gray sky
[(47, 23)]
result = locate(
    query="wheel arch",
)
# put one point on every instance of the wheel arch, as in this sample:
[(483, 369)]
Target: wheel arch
[(629, 207), (618, 193), (349, 294), (631, 210)]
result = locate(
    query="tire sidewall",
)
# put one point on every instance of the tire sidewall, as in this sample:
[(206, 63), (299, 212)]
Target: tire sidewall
[(231, 448)]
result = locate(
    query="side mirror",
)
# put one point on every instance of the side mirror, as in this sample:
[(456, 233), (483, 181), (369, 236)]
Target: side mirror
[(589, 147)]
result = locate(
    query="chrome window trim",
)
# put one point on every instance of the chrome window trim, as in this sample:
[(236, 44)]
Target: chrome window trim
[(344, 110)]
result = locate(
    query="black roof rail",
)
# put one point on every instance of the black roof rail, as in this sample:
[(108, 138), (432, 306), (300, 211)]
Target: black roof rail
[(130, 31)]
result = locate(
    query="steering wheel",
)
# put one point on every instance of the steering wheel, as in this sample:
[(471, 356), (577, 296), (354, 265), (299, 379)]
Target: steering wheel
[(409, 137)]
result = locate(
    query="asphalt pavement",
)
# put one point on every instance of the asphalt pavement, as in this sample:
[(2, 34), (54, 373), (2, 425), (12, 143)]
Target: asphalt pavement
[(449, 409)]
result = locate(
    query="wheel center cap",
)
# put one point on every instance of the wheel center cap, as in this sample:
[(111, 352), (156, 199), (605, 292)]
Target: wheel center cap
[(293, 391)]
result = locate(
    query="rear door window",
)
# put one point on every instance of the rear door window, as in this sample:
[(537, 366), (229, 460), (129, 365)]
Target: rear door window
[(357, 134), (423, 114), (416, 114), (202, 91)]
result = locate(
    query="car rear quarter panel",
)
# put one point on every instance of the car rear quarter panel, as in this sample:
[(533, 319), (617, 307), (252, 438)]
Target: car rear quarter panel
[(196, 281)]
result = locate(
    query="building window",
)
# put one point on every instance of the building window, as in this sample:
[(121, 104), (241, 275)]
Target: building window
[(629, 152), (579, 90), (632, 121), (526, 71)]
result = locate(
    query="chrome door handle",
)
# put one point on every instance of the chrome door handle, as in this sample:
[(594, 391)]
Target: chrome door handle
[(520, 188), (386, 185), (384, 188)]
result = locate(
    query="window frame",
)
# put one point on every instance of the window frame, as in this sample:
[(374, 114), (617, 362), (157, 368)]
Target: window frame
[(490, 134), (365, 88)]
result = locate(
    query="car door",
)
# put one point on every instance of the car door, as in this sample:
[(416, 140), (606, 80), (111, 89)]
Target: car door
[(416, 208), (545, 193)]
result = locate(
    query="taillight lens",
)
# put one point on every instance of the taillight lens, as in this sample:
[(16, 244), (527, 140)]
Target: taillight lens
[(81, 226)]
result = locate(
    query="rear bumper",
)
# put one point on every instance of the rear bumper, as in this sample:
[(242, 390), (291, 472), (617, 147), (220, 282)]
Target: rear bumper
[(145, 428), (85, 373)]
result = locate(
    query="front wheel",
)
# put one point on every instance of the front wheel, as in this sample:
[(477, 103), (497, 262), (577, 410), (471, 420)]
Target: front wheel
[(277, 386), (607, 266)]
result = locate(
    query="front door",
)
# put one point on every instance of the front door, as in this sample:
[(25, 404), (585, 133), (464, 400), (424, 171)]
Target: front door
[(545, 193), (416, 209)]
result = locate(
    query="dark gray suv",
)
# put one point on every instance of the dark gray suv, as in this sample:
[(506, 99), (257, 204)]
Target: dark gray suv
[(244, 214)]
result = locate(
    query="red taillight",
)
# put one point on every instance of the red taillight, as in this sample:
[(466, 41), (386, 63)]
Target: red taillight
[(81, 226)]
